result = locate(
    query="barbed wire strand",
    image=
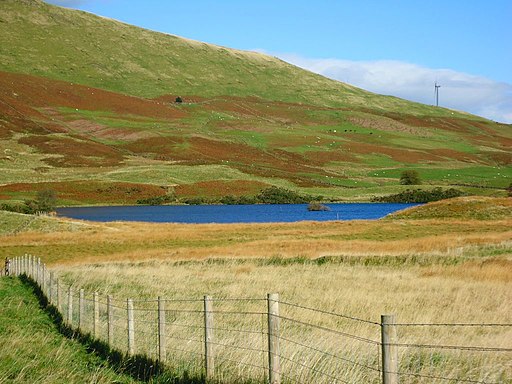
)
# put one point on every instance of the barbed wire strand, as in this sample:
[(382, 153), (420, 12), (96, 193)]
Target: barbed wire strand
[(348, 335), (344, 359), (329, 313)]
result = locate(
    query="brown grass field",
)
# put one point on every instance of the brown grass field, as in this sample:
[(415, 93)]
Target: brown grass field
[(417, 264)]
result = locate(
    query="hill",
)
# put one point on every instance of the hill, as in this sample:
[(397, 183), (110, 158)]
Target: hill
[(87, 108), (465, 208)]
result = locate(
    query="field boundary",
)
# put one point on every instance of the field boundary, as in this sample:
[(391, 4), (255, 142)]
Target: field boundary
[(272, 340)]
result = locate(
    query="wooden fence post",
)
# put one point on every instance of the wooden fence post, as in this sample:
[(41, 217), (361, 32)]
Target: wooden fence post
[(57, 288), (110, 320), (274, 365), (208, 338), (43, 279), (70, 306), (131, 327), (389, 350), (34, 268), (81, 310), (95, 329), (38, 276), (161, 330), (50, 289)]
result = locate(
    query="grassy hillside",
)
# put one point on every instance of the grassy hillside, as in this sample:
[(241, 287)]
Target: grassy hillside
[(32, 350), (87, 108), (45, 40)]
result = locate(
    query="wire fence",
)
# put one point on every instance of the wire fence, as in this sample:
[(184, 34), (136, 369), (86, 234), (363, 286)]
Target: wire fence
[(275, 341)]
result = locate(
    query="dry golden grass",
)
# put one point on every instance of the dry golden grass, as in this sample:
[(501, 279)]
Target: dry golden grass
[(143, 241), (477, 291), (424, 271)]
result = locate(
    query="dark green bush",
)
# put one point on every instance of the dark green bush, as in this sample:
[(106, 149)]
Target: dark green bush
[(420, 196), (410, 177), (276, 195)]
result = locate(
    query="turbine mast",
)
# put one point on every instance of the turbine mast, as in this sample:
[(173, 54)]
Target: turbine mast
[(436, 92)]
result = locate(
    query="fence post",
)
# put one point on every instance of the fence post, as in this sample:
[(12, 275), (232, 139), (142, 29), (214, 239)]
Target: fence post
[(131, 327), (70, 306), (43, 279), (38, 277), (110, 320), (95, 329), (161, 330), (57, 288), (34, 268), (389, 350), (274, 366), (81, 310), (208, 338), (50, 289)]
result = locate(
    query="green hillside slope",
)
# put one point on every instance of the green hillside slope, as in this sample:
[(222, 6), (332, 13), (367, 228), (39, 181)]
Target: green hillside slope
[(87, 109), (46, 40)]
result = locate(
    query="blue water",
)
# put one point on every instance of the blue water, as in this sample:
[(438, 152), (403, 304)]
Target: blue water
[(261, 213)]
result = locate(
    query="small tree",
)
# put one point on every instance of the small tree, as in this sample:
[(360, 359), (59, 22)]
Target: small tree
[(410, 177), (46, 200), (509, 190), (179, 100)]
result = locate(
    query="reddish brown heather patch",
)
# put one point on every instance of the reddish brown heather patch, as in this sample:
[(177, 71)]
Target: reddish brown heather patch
[(199, 150), (383, 123), (41, 92), (74, 153), (400, 155), (93, 129), (16, 116), (221, 188), (501, 158), (89, 191), (456, 155)]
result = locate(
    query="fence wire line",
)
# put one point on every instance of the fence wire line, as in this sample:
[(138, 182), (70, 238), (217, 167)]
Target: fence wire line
[(239, 347), (344, 359), (453, 324), (457, 347), (148, 317), (313, 369), (348, 335), (241, 363), (329, 313)]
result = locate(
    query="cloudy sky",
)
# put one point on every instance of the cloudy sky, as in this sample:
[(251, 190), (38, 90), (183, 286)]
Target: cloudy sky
[(393, 47)]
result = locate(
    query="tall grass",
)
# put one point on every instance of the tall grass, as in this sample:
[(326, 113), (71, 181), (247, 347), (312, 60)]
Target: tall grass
[(464, 292)]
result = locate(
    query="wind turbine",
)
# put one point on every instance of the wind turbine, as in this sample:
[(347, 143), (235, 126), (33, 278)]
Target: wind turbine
[(436, 92)]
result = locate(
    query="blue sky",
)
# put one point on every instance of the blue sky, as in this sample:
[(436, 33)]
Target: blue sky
[(395, 47)]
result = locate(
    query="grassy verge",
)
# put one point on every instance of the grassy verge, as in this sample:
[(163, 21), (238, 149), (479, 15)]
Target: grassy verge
[(33, 351)]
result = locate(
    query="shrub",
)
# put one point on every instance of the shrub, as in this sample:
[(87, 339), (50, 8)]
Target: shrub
[(46, 200), (420, 196), (410, 177), (276, 195)]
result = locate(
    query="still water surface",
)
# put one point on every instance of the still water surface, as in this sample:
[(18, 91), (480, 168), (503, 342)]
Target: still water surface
[(261, 213)]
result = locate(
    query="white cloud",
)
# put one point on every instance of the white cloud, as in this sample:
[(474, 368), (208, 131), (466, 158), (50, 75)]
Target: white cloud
[(461, 91)]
